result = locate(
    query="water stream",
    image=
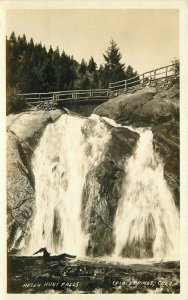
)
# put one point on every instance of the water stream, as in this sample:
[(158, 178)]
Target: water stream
[(146, 221), (146, 209)]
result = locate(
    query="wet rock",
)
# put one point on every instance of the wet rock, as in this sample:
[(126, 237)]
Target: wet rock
[(23, 134), (37, 275), (158, 108), (103, 190), (20, 192), (166, 143), (29, 127)]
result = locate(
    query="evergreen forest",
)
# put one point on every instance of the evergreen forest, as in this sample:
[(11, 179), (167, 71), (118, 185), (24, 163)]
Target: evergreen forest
[(32, 68)]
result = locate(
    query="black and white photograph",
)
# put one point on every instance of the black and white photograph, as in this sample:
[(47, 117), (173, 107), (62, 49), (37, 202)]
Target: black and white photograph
[(93, 126)]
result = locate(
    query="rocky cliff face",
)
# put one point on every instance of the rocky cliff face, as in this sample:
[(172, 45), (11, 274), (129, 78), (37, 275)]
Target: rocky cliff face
[(166, 144), (20, 191), (152, 107), (105, 183), (147, 107), (23, 133), (159, 109)]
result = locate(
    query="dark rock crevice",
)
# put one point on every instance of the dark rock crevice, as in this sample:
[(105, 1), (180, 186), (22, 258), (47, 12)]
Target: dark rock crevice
[(103, 189), (166, 144), (159, 109), (151, 107)]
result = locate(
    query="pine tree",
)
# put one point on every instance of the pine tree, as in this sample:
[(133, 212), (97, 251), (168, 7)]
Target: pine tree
[(85, 84), (129, 73), (13, 51), (31, 44), (31, 68), (92, 66), (113, 69), (57, 68), (12, 38), (8, 64), (83, 67), (95, 83), (101, 76), (22, 44)]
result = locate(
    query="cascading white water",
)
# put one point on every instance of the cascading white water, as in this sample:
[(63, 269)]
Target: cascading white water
[(146, 218), (68, 149)]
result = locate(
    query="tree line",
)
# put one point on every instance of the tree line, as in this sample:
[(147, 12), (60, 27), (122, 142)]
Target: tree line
[(32, 68)]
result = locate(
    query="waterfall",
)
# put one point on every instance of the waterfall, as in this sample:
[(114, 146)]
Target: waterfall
[(147, 221), (68, 149)]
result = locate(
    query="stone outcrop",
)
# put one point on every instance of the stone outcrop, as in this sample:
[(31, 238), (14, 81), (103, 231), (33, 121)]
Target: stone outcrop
[(105, 182), (29, 127), (23, 134), (147, 107), (152, 107), (30, 275), (159, 109), (20, 191), (166, 143)]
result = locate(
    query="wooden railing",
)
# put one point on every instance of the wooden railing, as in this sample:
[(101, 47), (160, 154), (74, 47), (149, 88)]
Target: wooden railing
[(151, 77), (63, 96), (148, 78)]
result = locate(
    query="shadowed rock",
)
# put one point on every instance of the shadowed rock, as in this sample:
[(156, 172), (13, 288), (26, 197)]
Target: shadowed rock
[(23, 134), (46, 254), (166, 144), (104, 183), (146, 107), (158, 108)]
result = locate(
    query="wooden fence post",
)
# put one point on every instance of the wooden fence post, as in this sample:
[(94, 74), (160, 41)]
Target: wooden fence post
[(114, 88), (110, 87), (73, 95), (150, 77), (125, 88), (166, 71), (108, 93)]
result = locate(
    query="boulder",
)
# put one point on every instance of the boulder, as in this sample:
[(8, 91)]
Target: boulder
[(147, 107), (23, 134), (103, 185), (29, 127), (166, 143), (20, 192), (159, 108)]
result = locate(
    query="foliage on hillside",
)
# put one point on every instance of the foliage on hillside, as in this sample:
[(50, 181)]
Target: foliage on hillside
[(14, 103), (33, 68)]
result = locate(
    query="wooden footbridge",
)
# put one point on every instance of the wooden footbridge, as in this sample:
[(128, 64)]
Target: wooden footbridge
[(161, 76)]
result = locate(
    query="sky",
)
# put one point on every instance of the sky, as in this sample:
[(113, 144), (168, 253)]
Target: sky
[(147, 38)]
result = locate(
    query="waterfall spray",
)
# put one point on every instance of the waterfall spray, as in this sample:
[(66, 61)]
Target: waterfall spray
[(146, 224), (147, 221), (68, 149)]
